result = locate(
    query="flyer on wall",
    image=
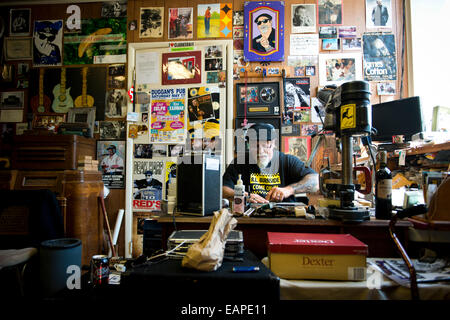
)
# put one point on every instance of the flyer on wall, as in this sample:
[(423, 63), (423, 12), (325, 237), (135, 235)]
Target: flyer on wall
[(148, 176), (167, 115)]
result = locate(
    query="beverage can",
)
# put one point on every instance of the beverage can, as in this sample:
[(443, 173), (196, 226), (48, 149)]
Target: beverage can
[(99, 270)]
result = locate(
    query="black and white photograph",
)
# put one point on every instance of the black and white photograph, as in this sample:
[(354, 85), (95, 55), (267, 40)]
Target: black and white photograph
[(238, 18), (349, 44), (328, 32), (20, 22), (303, 18), (142, 151), (378, 14), (114, 9), (116, 70), (379, 57), (297, 93), (176, 150), (113, 130), (151, 22), (12, 100), (330, 12), (116, 103), (213, 64), (316, 117), (213, 52), (47, 43)]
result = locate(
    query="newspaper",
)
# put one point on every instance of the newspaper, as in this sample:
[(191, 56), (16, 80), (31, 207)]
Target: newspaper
[(396, 270)]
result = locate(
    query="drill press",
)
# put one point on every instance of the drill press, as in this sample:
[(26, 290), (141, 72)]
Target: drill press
[(348, 114)]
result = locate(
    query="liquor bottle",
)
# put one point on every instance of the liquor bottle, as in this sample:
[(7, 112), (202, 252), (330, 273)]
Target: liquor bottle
[(383, 190)]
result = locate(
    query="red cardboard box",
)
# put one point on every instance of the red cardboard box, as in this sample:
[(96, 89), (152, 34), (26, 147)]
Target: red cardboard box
[(317, 256)]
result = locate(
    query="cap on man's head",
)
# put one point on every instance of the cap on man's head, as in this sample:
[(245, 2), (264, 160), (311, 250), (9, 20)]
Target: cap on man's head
[(264, 131), (149, 173), (111, 147), (265, 15)]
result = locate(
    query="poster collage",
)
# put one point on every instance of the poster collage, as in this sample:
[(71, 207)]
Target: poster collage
[(322, 45)]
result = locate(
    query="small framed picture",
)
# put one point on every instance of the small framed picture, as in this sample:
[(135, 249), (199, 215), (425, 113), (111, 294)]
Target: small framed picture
[(19, 22), (310, 71), (12, 100), (18, 48), (386, 88), (181, 67), (330, 44), (85, 115), (299, 71), (48, 121)]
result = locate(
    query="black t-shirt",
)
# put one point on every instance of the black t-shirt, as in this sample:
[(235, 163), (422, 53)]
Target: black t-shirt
[(283, 170)]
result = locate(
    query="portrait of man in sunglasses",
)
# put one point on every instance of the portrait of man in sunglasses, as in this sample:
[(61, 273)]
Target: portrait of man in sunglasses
[(265, 42), (46, 38)]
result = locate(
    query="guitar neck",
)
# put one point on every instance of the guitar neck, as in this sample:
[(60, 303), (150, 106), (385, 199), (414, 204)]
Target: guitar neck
[(41, 86), (84, 88), (63, 81)]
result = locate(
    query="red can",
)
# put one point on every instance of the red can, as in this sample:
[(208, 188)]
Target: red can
[(99, 270)]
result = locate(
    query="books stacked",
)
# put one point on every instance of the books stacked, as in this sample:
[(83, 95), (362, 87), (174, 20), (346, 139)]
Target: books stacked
[(87, 164)]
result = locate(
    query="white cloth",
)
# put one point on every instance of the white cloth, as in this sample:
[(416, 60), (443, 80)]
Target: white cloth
[(109, 161)]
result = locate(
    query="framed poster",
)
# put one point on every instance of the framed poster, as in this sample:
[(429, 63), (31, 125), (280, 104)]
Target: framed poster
[(181, 67), (47, 43), (111, 163), (339, 68), (148, 177), (264, 31), (329, 12), (19, 22), (380, 61)]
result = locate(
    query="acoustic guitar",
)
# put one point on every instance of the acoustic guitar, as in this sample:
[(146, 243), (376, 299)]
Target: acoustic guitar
[(41, 103), (84, 100), (62, 101)]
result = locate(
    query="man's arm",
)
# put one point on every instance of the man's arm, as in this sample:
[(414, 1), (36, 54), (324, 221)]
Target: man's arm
[(308, 184)]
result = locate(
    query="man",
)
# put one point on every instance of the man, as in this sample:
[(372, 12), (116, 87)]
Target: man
[(295, 97), (301, 17), (112, 163), (269, 175), (207, 20), (148, 188), (265, 42), (45, 51), (380, 14), (195, 112)]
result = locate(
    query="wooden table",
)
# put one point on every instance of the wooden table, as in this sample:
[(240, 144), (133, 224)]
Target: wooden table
[(374, 233)]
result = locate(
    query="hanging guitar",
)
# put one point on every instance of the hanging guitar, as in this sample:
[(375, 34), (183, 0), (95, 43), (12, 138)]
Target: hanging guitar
[(41, 103), (84, 100), (62, 101)]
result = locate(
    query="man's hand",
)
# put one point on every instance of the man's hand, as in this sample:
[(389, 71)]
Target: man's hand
[(279, 194), (255, 198)]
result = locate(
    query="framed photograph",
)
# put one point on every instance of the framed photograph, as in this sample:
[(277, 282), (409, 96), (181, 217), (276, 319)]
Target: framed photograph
[(111, 163), (238, 18), (84, 115), (12, 100), (303, 18), (349, 44), (181, 67), (113, 130), (18, 48), (297, 146), (378, 14), (47, 43), (180, 23), (114, 9), (330, 44), (386, 88), (48, 121), (339, 68), (19, 22), (299, 71), (151, 22), (329, 12), (310, 71), (264, 31)]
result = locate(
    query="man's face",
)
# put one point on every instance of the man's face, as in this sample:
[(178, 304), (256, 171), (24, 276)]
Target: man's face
[(195, 102), (264, 152), (148, 177), (379, 2), (301, 12), (42, 41), (111, 151), (264, 24)]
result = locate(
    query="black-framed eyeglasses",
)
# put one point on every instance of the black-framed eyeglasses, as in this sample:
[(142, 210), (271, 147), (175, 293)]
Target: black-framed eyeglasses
[(42, 36), (262, 21)]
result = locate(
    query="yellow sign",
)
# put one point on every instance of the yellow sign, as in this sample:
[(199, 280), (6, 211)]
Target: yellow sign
[(348, 116)]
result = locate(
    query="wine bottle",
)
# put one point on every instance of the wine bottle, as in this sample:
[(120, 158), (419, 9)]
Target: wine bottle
[(383, 190)]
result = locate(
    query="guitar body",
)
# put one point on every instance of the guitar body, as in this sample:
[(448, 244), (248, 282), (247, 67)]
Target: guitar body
[(44, 107), (62, 101), (79, 101)]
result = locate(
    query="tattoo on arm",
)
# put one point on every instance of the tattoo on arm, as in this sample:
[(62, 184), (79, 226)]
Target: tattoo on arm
[(309, 184)]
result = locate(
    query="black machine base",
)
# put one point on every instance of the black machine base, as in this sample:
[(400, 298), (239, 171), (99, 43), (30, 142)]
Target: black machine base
[(351, 214)]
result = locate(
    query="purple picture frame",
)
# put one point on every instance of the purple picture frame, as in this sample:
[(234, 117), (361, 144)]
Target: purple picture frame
[(267, 46)]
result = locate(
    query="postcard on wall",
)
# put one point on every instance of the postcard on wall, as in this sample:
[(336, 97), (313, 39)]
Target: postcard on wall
[(349, 44), (47, 43), (111, 162), (167, 111), (151, 22), (113, 130), (180, 23), (328, 32), (304, 44), (347, 32), (339, 68), (330, 12), (303, 18), (378, 14), (380, 61), (330, 44), (238, 18), (264, 31), (386, 88), (148, 177)]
